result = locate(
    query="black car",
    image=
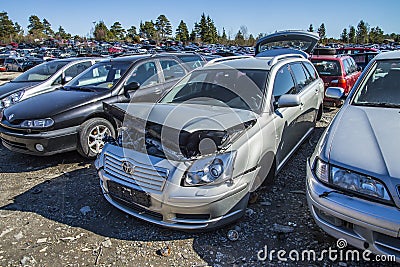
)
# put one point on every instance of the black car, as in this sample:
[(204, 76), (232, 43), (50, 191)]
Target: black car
[(73, 117)]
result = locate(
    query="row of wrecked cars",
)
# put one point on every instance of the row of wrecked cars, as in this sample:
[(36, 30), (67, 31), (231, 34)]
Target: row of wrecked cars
[(185, 147)]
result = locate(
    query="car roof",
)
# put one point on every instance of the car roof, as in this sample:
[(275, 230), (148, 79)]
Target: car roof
[(388, 55), (249, 62), (329, 57)]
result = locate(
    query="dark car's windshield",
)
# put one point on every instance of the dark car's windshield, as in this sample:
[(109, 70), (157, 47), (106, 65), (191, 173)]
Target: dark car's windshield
[(327, 67), (41, 72), (103, 75), (382, 86), (241, 89)]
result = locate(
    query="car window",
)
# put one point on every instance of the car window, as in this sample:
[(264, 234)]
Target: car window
[(311, 70), (73, 71), (347, 66), (102, 75), (145, 74), (327, 67), (191, 61), (283, 83), (171, 69), (300, 75), (382, 87)]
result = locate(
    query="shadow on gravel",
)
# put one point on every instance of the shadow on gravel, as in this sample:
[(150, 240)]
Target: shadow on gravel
[(17, 163), (75, 199)]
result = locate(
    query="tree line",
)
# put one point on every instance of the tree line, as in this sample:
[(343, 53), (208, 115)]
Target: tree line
[(161, 29), (362, 34)]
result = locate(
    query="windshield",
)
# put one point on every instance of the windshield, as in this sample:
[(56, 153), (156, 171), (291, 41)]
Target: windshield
[(382, 86), (41, 72), (327, 67), (240, 89), (102, 75), (294, 44)]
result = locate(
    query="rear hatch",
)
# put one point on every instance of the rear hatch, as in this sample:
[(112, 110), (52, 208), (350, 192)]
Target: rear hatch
[(288, 41)]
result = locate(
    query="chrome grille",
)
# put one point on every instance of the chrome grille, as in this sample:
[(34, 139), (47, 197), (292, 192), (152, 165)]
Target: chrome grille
[(146, 177)]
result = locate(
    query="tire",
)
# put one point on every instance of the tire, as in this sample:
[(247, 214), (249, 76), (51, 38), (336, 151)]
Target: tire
[(91, 136)]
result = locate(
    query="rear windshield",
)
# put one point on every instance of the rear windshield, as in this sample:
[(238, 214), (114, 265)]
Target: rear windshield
[(327, 67)]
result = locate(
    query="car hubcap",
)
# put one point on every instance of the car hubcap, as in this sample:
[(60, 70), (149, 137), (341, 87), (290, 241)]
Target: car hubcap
[(95, 138)]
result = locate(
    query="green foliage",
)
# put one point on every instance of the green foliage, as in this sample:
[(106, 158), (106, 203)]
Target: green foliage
[(147, 29), (117, 32), (8, 29), (322, 33), (182, 32), (163, 27), (352, 35), (311, 28), (362, 32), (47, 28), (101, 32), (344, 36), (35, 26)]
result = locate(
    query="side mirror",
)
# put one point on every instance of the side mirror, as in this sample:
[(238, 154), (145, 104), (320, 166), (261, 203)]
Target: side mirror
[(130, 87), (286, 101), (66, 79), (334, 92)]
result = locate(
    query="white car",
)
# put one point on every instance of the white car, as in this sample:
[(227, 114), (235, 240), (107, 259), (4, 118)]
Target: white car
[(191, 160)]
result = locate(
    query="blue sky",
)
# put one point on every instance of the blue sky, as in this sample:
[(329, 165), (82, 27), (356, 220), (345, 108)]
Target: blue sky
[(77, 17)]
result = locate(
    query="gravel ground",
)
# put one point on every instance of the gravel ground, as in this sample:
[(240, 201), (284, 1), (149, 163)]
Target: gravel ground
[(53, 214)]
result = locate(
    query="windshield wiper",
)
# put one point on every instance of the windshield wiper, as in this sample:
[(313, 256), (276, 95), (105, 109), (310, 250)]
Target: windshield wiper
[(378, 104)]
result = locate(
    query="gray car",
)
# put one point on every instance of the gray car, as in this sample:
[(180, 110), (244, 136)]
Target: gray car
[(191, 160), (42, 78), (353, 177)]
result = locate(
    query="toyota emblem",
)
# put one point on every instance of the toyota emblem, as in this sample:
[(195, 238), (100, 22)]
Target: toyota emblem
[(128, 167)]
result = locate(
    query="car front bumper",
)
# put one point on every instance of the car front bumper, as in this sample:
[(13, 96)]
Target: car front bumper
[(169, 205), (362, 223), (53, 142)]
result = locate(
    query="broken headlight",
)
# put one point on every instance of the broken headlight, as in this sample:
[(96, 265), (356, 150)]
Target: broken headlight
[(210, 170)]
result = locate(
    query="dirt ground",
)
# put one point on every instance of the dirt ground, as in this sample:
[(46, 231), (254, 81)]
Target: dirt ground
[(52, 213)]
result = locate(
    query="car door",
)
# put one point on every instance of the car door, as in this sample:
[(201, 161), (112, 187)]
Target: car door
[(285, 117), (309, 92), (147, 74)]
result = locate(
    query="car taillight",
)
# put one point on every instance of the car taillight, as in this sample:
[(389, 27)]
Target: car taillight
[(342, 83)]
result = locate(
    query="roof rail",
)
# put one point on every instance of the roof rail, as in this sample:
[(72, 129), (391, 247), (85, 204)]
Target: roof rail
[(221, 59), (275, 59)]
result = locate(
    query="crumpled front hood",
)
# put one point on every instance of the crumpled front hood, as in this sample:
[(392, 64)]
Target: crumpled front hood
[(12, 87), (366, 138), (188, 117), (179, 131)]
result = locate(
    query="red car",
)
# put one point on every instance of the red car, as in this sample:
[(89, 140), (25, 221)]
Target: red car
[(336, 70)]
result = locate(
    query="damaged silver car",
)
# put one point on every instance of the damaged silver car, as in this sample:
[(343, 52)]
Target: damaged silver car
[(191, 160)]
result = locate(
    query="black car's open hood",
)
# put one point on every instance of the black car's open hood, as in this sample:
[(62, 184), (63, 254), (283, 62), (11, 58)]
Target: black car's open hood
[(300, 40)]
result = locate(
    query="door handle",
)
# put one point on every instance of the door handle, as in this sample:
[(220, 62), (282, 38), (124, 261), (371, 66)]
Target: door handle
[(158, 91)]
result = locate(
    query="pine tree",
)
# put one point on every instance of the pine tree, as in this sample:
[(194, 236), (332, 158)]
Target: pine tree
[(7, 28), (163, 27), (311, 28), (117, 30), (322, 32), (344, 37), (352, 35), (47, 28), (35, 26), (182, 33), (362, 32)]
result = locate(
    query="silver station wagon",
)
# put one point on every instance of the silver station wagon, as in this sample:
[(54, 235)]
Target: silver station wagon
[(353, 177), (191, 160)]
